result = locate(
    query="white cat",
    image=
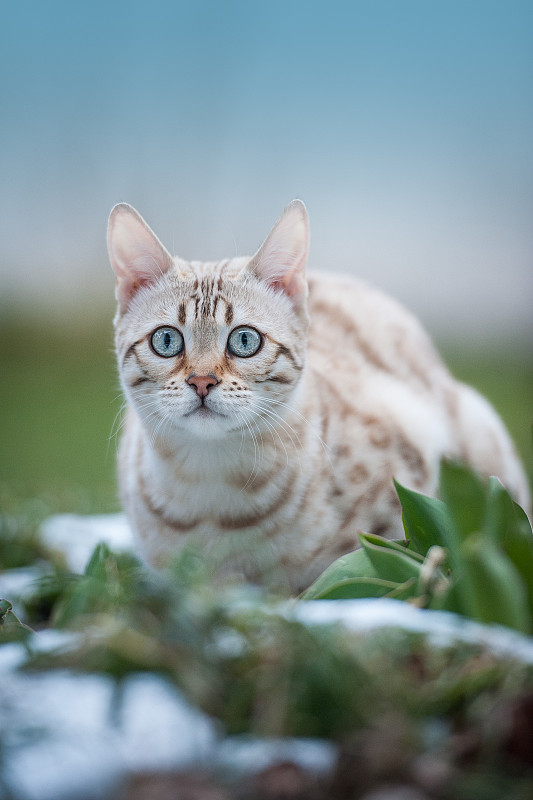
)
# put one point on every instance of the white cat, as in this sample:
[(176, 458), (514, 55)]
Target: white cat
[(275, 406)]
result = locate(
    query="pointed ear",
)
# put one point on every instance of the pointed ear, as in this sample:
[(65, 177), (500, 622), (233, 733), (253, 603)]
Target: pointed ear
[(281, 259), (137, 256)]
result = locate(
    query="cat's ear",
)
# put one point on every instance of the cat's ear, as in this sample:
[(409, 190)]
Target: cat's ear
[(137, 256), (281, 259)]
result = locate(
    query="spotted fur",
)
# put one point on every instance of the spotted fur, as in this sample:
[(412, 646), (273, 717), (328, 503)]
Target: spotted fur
[(298, 443)]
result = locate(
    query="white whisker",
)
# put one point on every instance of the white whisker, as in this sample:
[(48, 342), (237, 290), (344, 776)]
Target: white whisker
[(307, 422)]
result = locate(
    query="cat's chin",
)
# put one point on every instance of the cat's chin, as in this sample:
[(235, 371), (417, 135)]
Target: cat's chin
[(204, 423)]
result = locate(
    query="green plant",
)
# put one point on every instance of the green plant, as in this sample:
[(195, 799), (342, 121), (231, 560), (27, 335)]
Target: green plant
[(470, 552)]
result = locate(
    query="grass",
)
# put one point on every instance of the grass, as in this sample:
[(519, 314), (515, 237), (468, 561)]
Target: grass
[(504, 374), (59, 396), (60, 405)]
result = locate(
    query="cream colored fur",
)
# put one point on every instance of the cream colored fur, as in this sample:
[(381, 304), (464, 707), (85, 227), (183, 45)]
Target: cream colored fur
[(298, 444)]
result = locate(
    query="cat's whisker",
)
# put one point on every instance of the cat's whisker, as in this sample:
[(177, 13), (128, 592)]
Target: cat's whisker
[(263, 405), (166, 417), (255, 469), (273, 430), (153, 409), (257, 435), (116, 427), (296, 411), (289, 430), (118, 422), (292, 410)]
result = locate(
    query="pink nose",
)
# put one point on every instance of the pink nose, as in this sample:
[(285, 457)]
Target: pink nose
[(202, 384)]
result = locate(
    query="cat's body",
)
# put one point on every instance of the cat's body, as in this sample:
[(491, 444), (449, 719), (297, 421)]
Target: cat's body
[(299, 440)]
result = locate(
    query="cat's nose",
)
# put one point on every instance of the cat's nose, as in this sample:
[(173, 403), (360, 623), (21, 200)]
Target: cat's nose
[(202, 384)]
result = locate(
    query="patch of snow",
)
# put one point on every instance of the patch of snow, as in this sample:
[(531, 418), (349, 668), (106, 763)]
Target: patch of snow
[(71, 736), (250, 754), (441, 627), (12, 656), (159, 729), (15, 584), (76, 536), (55, 739)]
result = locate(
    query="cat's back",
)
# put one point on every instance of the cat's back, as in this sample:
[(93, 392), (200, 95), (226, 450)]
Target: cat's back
[(374, 361), (357, 328)]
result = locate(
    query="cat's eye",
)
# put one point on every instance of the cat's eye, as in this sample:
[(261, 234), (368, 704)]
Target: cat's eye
[(244, 342), (167, 342)]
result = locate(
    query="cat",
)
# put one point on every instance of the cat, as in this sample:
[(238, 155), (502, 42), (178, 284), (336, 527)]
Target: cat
[(263, 403)]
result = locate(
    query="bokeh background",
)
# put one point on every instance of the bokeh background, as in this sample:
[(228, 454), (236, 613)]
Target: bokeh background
[(405, 125)]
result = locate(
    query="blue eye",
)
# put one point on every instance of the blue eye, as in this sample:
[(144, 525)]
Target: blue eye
[(244, 342), (167, 342)]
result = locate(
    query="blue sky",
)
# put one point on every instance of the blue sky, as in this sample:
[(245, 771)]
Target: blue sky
[(405, 125)]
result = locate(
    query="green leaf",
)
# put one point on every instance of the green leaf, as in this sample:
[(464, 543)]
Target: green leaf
[(357, 588), (508, 525), (466, 498), (352, 565), (449, 600), (404, 591), (425, 519), (491, 588), (500, 511), (391, 561), (5, 608), (97, 564), (397, 545), (11, 628), (522, 519)]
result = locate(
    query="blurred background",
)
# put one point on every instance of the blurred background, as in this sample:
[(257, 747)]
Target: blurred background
[(405, 125)]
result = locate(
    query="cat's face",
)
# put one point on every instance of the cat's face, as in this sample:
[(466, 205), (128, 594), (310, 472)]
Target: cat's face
[(210, 349)]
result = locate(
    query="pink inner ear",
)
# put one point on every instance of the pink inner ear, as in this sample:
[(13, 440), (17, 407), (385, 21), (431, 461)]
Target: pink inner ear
[(281, 260), (137, 256), (128, 287)]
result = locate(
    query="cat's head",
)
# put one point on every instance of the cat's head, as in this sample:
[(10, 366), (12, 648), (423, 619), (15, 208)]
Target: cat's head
[(210, 348)]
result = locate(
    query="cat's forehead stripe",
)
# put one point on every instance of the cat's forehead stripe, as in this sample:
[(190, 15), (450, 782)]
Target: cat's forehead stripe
[(205, 297), (228, 317)]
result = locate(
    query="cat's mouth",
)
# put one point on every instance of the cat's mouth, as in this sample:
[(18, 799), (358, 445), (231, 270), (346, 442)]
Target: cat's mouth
[(203, 411)]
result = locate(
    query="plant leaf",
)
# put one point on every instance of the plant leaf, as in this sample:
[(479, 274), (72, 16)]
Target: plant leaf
[(398, 546), (509, 526), (425, 519), (500, 511), (5, 608), (11, 628), (352, 565), (491, 588), (356, 588), (96, 566), (391, 561), (403, 591), (466, 498)]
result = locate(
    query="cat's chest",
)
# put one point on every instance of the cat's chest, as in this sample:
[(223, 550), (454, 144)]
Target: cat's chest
[(212, 485), (195, 492)]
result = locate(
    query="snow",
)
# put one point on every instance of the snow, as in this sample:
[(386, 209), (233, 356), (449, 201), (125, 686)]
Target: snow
[(76, 536), (442, 628), (246, 754), (66, 735)]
